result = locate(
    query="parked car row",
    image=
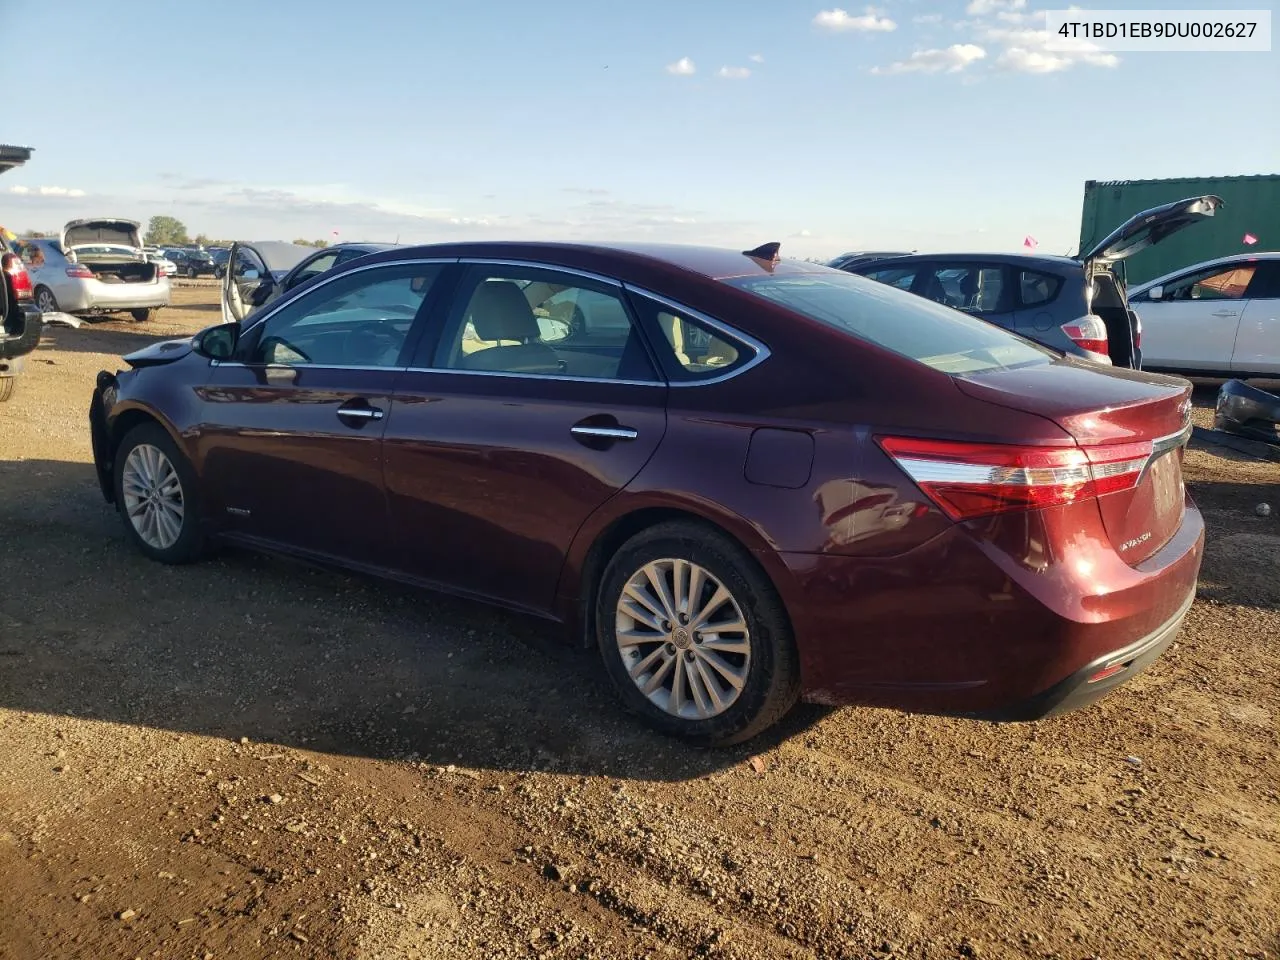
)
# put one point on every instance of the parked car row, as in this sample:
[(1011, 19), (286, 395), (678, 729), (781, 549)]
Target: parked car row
[(744, 479), (1219, 318)]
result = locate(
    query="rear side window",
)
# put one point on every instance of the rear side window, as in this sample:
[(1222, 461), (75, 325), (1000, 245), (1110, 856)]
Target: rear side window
[(969, 287), (944, 339), (691, 350), (1035, 288), (1266, 281)]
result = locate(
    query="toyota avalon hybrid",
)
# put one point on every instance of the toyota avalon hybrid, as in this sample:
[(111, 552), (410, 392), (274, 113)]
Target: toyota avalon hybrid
[(744, 480)]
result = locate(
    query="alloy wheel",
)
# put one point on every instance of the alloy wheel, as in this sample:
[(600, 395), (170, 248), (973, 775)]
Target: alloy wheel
[(153, 498), (683, 639), (46, 302)]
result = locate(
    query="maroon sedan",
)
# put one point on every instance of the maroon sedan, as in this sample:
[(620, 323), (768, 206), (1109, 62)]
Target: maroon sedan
[(746, 480)]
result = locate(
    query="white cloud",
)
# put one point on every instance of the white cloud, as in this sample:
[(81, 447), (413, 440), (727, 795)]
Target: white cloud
[(925, 18), (1035, 51), (756, 58), (981, 8), (733, 73), (59, 192), (953, 59), (841, 20), (19, 189), (682, 68)]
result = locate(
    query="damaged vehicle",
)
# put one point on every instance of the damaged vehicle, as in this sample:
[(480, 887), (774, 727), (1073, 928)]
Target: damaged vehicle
[(263, 271), (20, 323), (1248, 412), (1073, 304), (661, 448), (98, 266)]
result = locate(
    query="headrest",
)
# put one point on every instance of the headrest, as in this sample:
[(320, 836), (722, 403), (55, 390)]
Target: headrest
[(499, 311)]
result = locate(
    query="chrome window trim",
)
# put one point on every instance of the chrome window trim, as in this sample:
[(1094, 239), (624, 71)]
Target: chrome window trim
[(308, 366), (276, 308), (555, 268), (538, 376), (760, 352)]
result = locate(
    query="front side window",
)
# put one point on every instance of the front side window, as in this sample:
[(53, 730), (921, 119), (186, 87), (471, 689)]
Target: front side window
[(314, 268), (1220, 283), (900, 277), (361, 319), (542, 323), (905, 323)]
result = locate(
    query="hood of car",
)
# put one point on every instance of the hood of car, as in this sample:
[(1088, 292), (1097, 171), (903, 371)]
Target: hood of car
[(166, 351), (1149, 227), (100, 230)]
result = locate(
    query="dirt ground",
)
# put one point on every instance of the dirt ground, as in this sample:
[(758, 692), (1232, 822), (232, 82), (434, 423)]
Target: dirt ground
[(247, 758)]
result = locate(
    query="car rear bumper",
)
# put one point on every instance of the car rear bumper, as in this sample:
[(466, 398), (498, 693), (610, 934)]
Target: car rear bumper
[(1094, 679), (90, 296), (956, 627)]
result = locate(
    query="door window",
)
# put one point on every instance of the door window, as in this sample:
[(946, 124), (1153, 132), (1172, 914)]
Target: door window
[(1219, 283), (900, 277), (972, 288), (542, 323), (362, 319), (314, 268), (1266, 281)]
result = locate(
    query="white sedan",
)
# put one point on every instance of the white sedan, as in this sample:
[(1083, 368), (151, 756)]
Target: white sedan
[(1220, 318)]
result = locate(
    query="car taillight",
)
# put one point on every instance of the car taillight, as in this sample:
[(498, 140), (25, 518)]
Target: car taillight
[(968, 480), (79, 271), (1088, 333), (18, 276), (160, 271)]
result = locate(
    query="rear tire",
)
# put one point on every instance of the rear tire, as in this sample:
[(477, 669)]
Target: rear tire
[(157, 496), (144, 315), (7, 386), (191, 273), (755, 667), (46, 302)]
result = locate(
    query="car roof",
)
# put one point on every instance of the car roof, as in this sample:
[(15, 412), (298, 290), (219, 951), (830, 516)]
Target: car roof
[(1204, 265), (1010, 259), (715, 263)]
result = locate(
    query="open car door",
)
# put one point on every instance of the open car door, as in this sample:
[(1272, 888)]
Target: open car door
[(241, 281)]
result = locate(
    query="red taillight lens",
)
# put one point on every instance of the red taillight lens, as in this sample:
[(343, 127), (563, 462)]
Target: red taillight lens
[(79, 271), (16, 270), (1088, 333), (978, 479)]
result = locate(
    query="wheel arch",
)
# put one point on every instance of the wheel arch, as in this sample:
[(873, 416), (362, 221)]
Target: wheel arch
[(117, 429), (601, 539)]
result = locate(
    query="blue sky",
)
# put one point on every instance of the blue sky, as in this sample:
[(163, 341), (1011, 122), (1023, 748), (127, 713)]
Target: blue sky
[(930, 124)]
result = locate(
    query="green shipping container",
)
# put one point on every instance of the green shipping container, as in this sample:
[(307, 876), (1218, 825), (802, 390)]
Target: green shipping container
[(1250, 205)]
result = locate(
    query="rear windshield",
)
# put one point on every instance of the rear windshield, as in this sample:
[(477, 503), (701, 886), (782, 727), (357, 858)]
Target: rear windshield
[(937, 336)]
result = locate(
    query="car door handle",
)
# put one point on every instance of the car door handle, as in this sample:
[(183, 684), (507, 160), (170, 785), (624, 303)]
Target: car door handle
[(359, 412), (1226, 313), (604, 433)]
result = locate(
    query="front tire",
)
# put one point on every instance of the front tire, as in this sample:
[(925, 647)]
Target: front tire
[(157, 496), (694, 636), (191, 273), (144, 315), (7, 386)]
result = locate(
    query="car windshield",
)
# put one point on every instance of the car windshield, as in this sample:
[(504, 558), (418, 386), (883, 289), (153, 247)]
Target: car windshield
[(937, 336)]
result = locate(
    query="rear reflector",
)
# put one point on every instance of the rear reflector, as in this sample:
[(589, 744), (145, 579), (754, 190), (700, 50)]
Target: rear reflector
[(16, 270), (1110, 671), (969, 480), (1088, 333)]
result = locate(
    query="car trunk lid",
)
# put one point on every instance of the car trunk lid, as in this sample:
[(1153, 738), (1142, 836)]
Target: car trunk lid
[(1133, 428), (101, 230), (1150, 227)]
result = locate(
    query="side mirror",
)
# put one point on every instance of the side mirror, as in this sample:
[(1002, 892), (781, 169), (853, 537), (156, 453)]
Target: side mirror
[(1155, 293), (217, 343), (249, 274)]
